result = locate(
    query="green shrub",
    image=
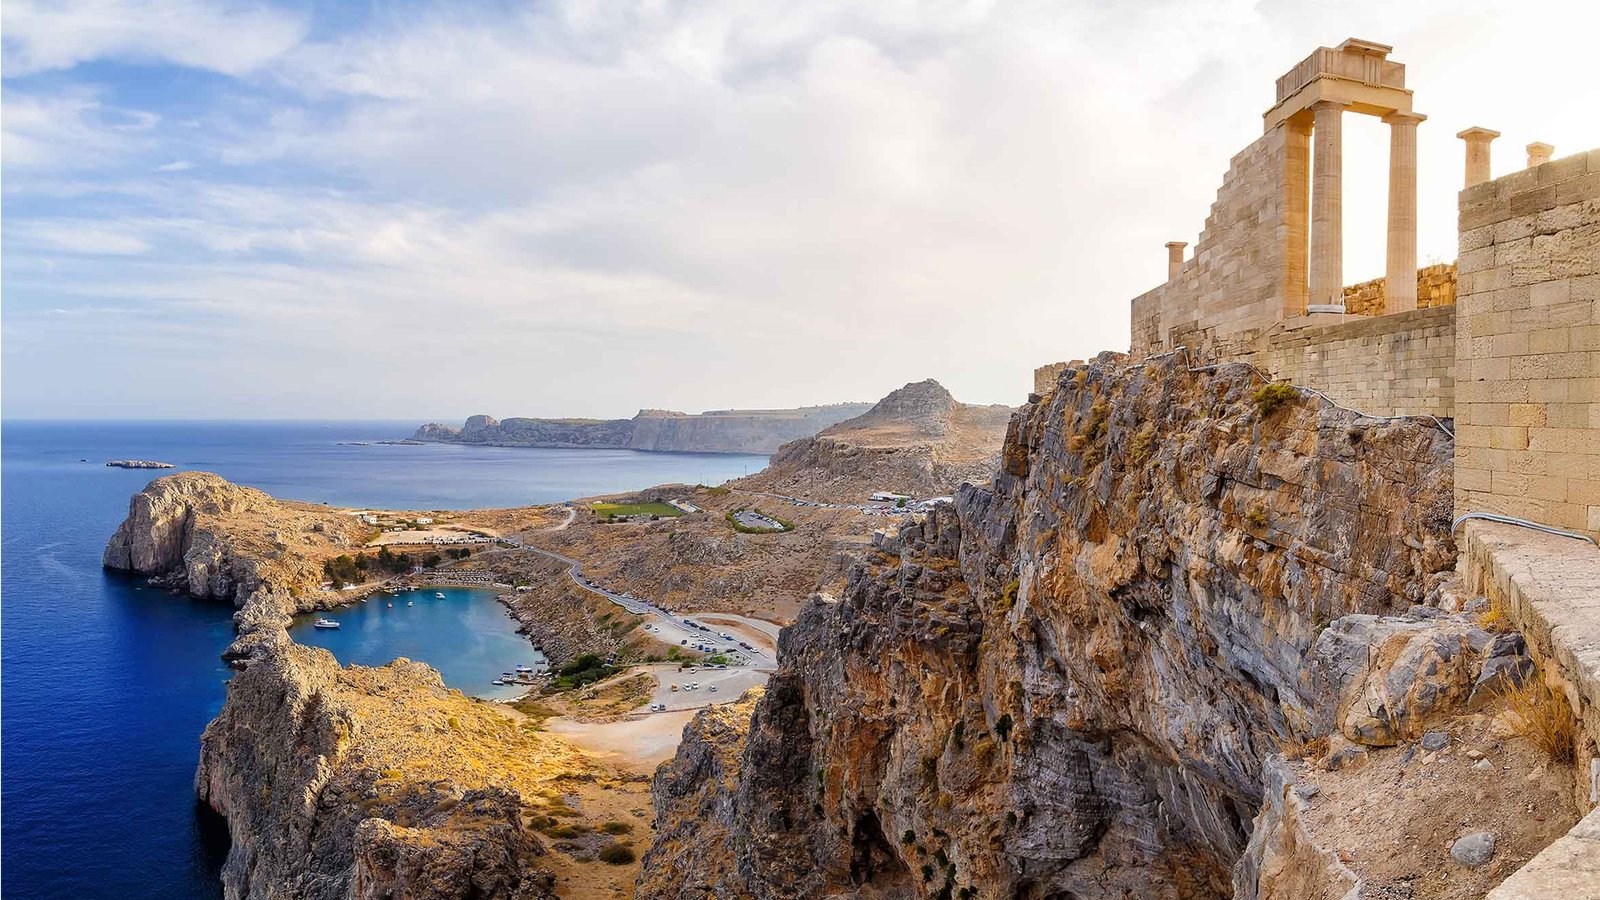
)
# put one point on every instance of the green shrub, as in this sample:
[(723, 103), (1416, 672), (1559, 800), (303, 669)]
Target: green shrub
[(910, 837), (1272, 396), (616, 854)]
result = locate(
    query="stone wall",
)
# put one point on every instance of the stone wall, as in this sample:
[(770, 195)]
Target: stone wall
[(1232, 288), (1546, 585), (1383, 365), (1044, 377), (1528, 345), (1436, 286)]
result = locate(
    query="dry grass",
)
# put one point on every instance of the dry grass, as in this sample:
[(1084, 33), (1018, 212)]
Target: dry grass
[(1310, 749), (1495, 619), (1545, 716)]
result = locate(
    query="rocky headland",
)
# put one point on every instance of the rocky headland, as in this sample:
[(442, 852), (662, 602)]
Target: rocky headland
[(377, 783), (718, 431), (1184, 608), (357, 782), (918, 440)]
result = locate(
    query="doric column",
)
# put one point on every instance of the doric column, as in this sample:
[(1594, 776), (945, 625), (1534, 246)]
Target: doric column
[(1327, 217), (1539, 153), (1175, 257), (1400, 275), (1477, 139), (1296, 214)]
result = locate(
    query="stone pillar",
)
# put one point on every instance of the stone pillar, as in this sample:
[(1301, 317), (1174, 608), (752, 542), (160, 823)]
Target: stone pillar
[(1327, 218), (1539, 153), (1296, 214), (1400, 275), (1175, 257), (1477, 139)]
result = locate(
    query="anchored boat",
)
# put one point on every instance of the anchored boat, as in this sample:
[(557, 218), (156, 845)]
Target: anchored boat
[(325, 623)]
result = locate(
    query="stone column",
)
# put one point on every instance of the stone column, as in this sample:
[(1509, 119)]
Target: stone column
[(1477, 139), (1539, 153), (1296, 213), (1400, 275), (1175, 257), (1327, 218)]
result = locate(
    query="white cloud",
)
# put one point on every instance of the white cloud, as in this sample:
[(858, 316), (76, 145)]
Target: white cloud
[(229, 37), (177, 165), (585, 207)]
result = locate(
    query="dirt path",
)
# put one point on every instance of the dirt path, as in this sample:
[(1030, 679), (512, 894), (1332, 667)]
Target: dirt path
[(640, 744)]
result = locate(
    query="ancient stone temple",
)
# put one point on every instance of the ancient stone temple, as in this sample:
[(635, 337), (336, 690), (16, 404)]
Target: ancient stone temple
[(1267, 258)]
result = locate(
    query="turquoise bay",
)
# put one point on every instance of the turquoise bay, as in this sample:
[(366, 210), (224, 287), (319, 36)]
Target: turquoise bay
[(108, 683), (466, 634)]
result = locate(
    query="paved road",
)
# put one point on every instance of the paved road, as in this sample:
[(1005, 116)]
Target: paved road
[(873, 509), (662, 625)]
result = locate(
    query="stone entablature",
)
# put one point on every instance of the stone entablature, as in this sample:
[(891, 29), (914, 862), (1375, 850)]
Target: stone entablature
[(1268, 258)]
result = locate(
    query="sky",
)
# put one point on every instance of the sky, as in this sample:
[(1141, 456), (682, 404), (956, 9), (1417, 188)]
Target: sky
[(216, 209)]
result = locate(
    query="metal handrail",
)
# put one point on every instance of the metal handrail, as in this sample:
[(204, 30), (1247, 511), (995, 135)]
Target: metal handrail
[(1513, 520)]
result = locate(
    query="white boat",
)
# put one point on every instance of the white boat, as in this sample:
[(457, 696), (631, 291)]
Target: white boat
[(325, 623), (438, 595), (409, 603), (524, 670), (496, 681), (390, 605)]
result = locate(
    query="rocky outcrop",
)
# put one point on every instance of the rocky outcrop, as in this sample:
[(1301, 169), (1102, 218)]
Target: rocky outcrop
[(373, 783), (1069, 683), (718, 431), (217, 540), (919, 440), (693, 798)]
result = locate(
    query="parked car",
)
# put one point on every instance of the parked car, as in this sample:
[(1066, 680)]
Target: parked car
[(712, 689)]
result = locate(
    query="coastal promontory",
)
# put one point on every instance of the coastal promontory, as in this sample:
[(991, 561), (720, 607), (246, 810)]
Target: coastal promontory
[(919, 440), (717, 431)]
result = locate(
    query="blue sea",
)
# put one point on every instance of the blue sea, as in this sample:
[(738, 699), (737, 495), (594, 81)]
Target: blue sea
[(105, 685)]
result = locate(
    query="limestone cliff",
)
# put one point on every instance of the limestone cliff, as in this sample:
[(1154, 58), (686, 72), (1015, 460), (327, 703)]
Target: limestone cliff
[(218, 540), (918, 440), (718, 431), (1069, 684), (374, 783)]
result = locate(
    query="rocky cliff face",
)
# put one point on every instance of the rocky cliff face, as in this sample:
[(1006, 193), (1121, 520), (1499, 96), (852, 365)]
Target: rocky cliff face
[(1068, 683), (720, 431), (218, 540), (918, 440), (374, 783)]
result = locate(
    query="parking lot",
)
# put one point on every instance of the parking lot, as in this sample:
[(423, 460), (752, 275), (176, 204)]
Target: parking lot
[(729, 684)]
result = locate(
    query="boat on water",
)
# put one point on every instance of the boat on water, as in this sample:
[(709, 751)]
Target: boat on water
[(325, 623), (390, 605), (496, 681), (524, 670), (410, 603), (438, 595)]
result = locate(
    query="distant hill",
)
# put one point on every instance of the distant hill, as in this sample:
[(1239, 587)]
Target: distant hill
[(717, 431), (919, 440)]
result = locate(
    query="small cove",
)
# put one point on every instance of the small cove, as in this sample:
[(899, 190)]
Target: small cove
[(466, 634)]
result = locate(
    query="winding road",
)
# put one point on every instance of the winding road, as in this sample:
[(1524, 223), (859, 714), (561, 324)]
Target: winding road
[(666, 627)]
